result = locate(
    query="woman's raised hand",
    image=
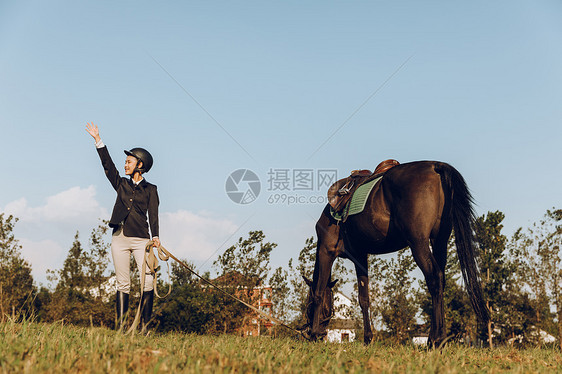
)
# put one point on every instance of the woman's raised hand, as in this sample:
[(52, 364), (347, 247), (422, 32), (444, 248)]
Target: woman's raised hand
[(93, 130)]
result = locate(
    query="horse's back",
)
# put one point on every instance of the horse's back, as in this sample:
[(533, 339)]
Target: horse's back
[(412, 180), (406, 173), (412, 198)]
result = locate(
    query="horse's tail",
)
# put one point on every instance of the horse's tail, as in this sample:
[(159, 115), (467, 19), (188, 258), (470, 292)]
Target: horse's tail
[(460, 202)]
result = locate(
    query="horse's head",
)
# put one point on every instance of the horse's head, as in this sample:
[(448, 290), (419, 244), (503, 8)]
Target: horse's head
[(319, 310)]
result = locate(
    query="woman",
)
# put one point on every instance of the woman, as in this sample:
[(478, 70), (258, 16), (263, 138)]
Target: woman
[(135, 199)]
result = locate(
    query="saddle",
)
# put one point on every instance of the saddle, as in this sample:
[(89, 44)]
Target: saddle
[(341, 191)]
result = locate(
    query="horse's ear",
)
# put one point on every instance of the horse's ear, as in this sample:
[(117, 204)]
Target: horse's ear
[(331, 284), (307, 281)]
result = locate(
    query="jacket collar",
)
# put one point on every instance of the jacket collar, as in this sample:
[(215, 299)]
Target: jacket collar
[(142, 183)]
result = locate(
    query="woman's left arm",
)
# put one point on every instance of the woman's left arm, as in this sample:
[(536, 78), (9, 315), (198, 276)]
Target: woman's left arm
[(153, 202)]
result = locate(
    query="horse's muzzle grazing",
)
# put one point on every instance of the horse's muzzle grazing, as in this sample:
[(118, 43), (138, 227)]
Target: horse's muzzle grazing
[(319, 311), (315, 336)]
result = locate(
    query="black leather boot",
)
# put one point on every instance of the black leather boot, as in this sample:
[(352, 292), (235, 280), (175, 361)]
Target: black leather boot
[(122, 306), (146, 311)]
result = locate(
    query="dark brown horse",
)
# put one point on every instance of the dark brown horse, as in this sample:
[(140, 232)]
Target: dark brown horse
[(414, 204)]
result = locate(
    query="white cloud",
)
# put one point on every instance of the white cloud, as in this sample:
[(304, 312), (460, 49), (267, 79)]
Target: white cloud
[(69, 206), (192, 236), (43, 255), (46, 231)]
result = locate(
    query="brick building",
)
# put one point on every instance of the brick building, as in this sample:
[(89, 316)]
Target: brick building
[(261, 297)]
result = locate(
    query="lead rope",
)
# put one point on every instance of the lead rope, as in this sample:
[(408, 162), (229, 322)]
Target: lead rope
[(165, 255), (151, 262)]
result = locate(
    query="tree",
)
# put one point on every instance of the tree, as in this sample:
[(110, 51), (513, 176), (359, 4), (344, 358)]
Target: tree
[(398, 310), (243, 267), (97, 261), (494, 266), (248, 257), (17, 290), (190, 307), (550, 254), (299, 289), (82, 295), (280, 295), (536, 252)]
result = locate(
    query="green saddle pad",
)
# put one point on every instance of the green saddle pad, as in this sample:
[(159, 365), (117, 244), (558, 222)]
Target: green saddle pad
[(357, 202)]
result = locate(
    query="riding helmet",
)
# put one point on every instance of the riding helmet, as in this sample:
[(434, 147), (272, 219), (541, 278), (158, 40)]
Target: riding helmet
[(143, 155)]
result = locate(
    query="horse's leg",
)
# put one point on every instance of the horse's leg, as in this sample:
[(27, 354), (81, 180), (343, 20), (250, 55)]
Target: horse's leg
[(326, 252), (439, 252), (322, 273), (363, 288), (439, 247), (435, 280)]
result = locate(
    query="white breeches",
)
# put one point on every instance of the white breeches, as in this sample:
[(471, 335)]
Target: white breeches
[(121, 248)]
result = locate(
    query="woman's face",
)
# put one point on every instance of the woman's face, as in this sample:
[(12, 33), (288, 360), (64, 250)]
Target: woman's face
[(130, 164)]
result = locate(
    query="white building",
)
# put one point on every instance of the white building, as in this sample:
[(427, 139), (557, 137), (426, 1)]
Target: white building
[(341, 327), (109, 288), (541, 336)]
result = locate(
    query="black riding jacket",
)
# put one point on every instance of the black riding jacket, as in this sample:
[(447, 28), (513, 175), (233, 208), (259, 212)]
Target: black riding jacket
[(133, 202)]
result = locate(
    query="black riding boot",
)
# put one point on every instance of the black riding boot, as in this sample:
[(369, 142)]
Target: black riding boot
[(146, 312), (122, 306)]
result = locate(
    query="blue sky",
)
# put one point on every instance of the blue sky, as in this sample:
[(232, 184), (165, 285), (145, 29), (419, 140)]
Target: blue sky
[(210, 87)]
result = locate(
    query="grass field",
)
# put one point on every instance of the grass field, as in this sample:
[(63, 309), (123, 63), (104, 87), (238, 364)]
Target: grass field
[(29, 347)]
